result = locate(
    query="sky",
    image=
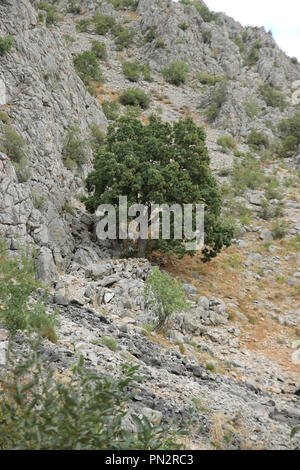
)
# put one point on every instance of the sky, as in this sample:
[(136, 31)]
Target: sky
[(281, 17)]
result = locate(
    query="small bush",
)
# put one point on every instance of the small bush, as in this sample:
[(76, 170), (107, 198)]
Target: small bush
[(110, 343), (103, 23), (176, 73), (124, 4), (239, 43), (19, 311), (279, 231), (123, 37), (41, 410), (51, 13), (132, 70), (257, 140), (73, 8), (86, 65), (111, 109), (97, 137), (207, 79), (251, 108), (82, 26), (273, 97), (73, 153), (270, 211), (4, 117), (146, 73), (294, 60), (151, 35), (5, 44), (13, 145), (135, 97), (99, 49), (247, 174), (217, 99), (290, 133), (227, 142), (164, 295)]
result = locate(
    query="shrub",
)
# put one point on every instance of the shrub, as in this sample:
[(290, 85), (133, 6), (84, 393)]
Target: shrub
[(247, 174), (5, 44), (99, 49), (226, 142), (288, 147), (146, 73), (13, 145), (97, 137), (17, 288), (73, 8), (124, 4), (183, 25), (164, 295), (86, 65), (176, 73), (294, 60), (73, 153), (151, 34), (218, 97), (103, 23), (271, 211), (123, 36), (41, 410), (206, 36), (279, 231), (135, 97), (4, 117), (290, 132), (273, 97), (257, 140), (251, 108), (132, 70), (207, 79), (111, 109), (239, 43), (110, 343), (82, 25), (51, 13)]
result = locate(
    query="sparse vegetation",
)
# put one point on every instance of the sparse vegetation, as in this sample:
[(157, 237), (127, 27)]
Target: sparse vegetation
[(135, 97), (273, 97), (123, 37), (4, 117), (86, 65), (132, 70), (51, 13), (176, 73), (218, 98), (111, 109), (252, 109), (290, 133), (13, 145), (256, 140), (124, 4), (227, 143), (99, 49), (103, 23), (74, 150), (207, 79), (110, 343), (6, 44), (247, 174)]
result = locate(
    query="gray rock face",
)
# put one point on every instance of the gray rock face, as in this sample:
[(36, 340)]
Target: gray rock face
[(45, 97)]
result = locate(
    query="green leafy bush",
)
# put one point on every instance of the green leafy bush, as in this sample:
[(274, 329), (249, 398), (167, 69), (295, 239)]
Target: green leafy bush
[(123, 37), (207, 79), (82, 26), (274, 97), (13, 145), (111, 109), (227, 142), (238, 41), (257, 140), (151, 34), (164, 295), (176, 73), (132, 70), (290, 133), (40, 410), (124, 4), (103, 23), (146, 73), (5, 44), (110, 343), (87, 67), (73, 8), (73, 153), (279, 231), (17, 288), (246, 175), (217, 99), (51, 13), (135, 97), (97, 137), (252, 109), (4, 117), (99, 49)]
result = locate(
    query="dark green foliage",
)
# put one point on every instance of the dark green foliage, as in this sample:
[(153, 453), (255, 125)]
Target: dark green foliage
[(140, 162), (124, 4), (5, 44), (151, 34), (257, 140), (4, 117), (207, 79), (135, 97), (206, 35), (294, 60), (51, 13), (253, 55), (17, 287), (203, 10), (99, 49), (73, 8), (74, 150), (274, 97), (97, 137), (86, 65), (176, 73), (82, 25), (290, 133), (247, 174), (238, 41), (164, 295), (13, 145), (132, 70), (41, 410), (123, 37), (218, 97), (251, 108), (103, 23), (227, 143), (111, 109)]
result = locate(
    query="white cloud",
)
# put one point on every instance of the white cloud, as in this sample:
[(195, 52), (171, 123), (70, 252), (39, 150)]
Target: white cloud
[(282, 18)]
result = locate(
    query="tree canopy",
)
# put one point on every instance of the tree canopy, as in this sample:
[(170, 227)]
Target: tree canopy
[(159, 163)]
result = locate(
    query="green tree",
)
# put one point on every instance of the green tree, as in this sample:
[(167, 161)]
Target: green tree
[(163, 164)]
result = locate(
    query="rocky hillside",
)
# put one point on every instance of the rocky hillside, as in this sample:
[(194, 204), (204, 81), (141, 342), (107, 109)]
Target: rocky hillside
[(234, 356)]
